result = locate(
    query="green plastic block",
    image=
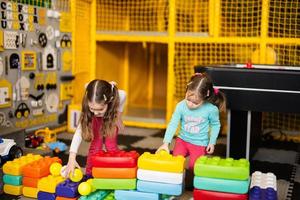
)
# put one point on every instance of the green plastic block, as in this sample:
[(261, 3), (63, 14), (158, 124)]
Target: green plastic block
[(12, 180), (110, 196), (97, 195), (114, 184), (217, 167)]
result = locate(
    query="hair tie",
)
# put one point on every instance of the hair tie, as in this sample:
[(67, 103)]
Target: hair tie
[(216, 90), (198, 74), (113, 84)]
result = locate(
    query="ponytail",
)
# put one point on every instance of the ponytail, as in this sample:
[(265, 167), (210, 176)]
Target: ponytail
[(217, 98)]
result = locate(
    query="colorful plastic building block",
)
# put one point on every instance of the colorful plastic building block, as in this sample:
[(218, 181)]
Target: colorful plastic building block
[(221, 185), (263, 186), (30, 192), (133, 194), (30, 182), (46, 195), (12, 180), (13, 189), (162, 161), (99, 195), (263, 180), (110, 196), (15, 167), (64, 198), (115, 159), (217, 167), (257, 193), (67, 189), (213, 195), (49, 183), (162, 177), (101, 172), (161, 188), (39, 168), (114, 184)]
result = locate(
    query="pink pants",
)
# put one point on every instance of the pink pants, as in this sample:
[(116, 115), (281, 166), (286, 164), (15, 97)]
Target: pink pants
[(187, 149), (97, 143)]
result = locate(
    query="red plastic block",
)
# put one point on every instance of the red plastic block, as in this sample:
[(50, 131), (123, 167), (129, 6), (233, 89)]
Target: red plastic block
[(30, 182), (115, 159), (212, 195), (39, 168), (65, 198)]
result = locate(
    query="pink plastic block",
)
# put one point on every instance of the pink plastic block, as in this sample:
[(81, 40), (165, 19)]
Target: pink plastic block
[(212, 195)]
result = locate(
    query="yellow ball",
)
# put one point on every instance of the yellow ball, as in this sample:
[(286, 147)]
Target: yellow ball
[(90, 182), (55, 169), (84, 188), (76, 176)]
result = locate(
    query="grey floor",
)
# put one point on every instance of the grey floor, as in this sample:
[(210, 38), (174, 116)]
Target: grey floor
[(279, 158)]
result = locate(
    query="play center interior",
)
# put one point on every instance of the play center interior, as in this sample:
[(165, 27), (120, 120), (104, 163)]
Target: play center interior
[(50, 50)]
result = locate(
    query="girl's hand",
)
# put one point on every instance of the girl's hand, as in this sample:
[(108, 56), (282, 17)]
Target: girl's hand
[(210, 148), (164, 147), (72, 164)]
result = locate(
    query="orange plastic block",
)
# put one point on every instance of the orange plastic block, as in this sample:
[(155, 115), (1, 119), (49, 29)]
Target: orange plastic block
[(162, 161), (65, 198), (99, 172), (13, 189), (39, 168), (49, 183), (30, 182), (15, 167), (30, 192)]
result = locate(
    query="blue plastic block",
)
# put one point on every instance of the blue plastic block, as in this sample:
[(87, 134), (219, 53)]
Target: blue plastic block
[(133, 194), (161, 188), (67, 189), (46, 195), (257, 193), (221, 185)]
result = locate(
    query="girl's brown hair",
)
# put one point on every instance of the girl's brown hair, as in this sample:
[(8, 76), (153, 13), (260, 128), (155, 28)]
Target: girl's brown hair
[(100, 91), (203, 85)]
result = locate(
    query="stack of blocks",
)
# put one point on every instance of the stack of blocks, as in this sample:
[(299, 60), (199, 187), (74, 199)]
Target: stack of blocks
[(33, 172), (157, 174), (13, 171), (114, 170), (217, 178), (263, 186), (47, 185)]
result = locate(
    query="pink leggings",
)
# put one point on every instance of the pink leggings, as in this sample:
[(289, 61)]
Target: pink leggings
[(185, 148), (97, 145)]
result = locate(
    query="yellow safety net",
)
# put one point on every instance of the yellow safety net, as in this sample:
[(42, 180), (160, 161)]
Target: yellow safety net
[(196, 32)]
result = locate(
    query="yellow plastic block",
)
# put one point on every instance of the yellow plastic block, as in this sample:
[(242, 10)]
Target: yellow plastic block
[(15, 167), (30, 192), (162, 161), (49, 183), (13, 189)]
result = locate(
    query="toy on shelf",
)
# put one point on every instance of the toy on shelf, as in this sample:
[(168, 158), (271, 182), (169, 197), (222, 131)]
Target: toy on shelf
[(50, 135), (9, 150)]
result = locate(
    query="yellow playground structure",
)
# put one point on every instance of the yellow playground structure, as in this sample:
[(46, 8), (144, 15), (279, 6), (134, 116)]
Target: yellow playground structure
[(149, 47)]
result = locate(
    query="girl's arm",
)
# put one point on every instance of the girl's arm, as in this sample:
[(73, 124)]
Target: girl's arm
[(214, 125), (72, 163), (171, 129)]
